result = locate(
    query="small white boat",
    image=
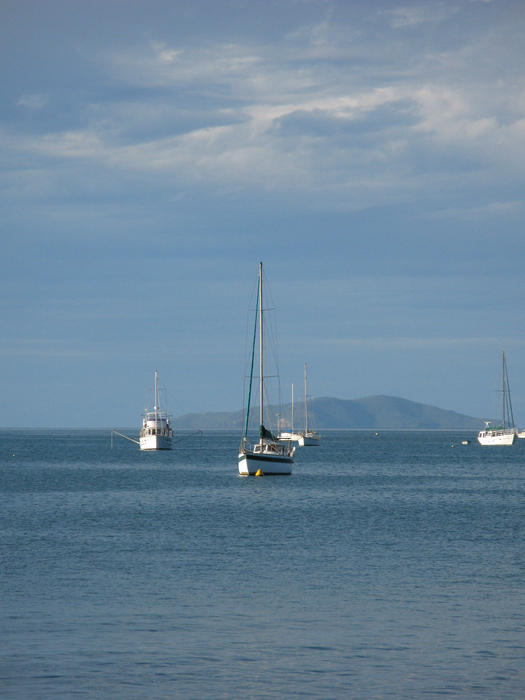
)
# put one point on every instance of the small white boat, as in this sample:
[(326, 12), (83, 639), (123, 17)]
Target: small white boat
[(286, 435), (268, 456), (307, 438), (504, 434), (156, 432), (521, 434)]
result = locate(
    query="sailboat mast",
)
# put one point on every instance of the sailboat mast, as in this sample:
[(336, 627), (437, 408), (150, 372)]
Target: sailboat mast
[(503, 386), (156, 406), (305, 403), (261, 376)]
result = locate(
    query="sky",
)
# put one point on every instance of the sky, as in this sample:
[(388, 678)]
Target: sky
[(370, 154)]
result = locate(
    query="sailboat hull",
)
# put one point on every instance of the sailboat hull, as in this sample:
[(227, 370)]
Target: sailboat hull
[(250, 463), (497, 437), (288, 437), (308, 441)]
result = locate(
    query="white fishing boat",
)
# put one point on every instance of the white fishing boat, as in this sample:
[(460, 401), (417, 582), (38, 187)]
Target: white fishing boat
[(156, 432), (268, 456), (504, 434), (307, 438)]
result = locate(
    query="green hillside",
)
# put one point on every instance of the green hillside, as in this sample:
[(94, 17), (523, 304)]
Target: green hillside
[(385, 412)]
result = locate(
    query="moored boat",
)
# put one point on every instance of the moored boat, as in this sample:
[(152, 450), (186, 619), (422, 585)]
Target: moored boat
[(308, 437), (496, 435), (156, 431), (268, 456), (504, 434), (286, 435)]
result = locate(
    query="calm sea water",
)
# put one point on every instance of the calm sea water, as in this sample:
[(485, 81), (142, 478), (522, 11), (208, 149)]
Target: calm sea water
[(386, 566)]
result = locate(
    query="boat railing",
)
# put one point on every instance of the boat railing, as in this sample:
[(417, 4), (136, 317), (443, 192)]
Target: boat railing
[(265, 447), (156, 415), (497, 431), (163, 430)]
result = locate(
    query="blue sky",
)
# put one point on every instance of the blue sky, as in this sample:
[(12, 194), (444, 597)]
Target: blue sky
[(371, 154)]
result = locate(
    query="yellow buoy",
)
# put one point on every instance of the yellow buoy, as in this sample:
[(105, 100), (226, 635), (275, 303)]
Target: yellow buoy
[(258, 472)]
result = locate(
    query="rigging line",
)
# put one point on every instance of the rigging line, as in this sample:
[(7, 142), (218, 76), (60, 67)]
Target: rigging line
[(247, 338), (508, 397), (116, 432)]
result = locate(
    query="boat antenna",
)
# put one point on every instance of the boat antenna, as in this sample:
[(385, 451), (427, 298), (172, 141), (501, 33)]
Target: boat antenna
[(292, 410)]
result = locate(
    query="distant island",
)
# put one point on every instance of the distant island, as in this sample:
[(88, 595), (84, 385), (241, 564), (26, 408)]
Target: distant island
[(371, 412)]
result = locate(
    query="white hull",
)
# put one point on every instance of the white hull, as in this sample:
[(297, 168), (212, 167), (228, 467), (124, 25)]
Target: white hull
[(521, 434), (155, 442), (250, 463), (308, 441), (497, 437), (302, 440), (289, 437)]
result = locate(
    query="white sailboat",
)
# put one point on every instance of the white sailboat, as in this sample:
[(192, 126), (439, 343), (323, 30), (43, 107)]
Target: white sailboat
[(307, 438), (156, 432), (285, 435), (268, 456), (505, 434)]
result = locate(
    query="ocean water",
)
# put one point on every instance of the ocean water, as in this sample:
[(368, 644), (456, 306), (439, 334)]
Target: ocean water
[(386, 566)]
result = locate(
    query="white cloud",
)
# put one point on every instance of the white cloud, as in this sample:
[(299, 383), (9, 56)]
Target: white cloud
[(68, 144), (415, 15), (32, 101), (160, 65), (268, 116), (494, 209), (165, 54)]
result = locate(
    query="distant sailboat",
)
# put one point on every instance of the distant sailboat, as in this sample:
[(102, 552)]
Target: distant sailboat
[(505, 434), (268, 456), (285, 435), (156, 432), (307, 438)]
